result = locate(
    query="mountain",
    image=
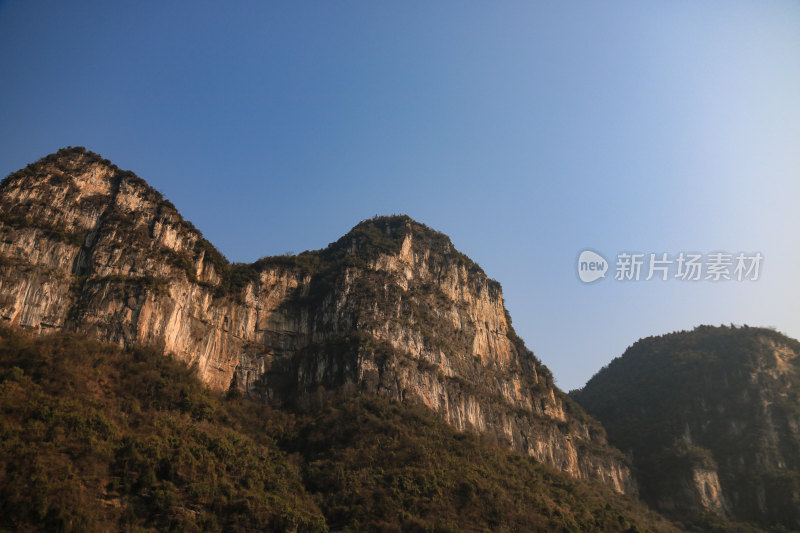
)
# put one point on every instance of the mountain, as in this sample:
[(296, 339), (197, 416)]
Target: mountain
[(391, 309), (97, 438), (711, 418)]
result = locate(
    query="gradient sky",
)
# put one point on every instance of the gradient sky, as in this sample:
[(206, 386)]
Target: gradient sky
[(525, 131)]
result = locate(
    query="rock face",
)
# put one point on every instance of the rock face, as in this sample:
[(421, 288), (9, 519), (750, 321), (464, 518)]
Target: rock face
[(391, 308), (711, 418)]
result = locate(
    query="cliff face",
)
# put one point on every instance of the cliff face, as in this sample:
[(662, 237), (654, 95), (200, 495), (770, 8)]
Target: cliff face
[(712, 420), (391, 308)]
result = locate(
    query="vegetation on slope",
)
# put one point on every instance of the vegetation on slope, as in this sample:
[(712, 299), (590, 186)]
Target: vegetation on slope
[(93, 437), (717, 399)]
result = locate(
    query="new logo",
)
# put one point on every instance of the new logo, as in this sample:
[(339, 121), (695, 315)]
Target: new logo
[(591, 266)]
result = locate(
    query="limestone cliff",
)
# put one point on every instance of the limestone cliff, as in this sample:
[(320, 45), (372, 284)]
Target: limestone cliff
[(391, 308), (711, 418)]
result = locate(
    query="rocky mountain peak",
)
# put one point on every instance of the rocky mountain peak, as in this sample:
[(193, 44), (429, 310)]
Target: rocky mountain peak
[(390, 309)]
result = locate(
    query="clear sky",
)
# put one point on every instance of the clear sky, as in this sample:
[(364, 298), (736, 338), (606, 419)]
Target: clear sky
[(527, 131)]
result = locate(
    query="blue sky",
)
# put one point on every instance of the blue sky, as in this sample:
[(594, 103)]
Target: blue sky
[(527, 131)]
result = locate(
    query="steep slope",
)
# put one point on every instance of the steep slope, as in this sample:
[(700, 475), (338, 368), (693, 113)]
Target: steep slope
[(96, 438), (391, 308), (711, 418)]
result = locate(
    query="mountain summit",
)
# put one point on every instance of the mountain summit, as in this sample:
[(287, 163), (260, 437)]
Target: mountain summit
[(391, 309)]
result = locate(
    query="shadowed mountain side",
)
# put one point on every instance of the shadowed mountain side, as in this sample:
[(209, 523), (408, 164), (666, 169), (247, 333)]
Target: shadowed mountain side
[(711, 418)]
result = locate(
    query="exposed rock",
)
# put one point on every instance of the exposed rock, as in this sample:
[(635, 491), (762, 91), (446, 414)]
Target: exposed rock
[(391, 308)]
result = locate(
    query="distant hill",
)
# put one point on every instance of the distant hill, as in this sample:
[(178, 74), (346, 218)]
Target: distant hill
[(711, 418), (98, 438)]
